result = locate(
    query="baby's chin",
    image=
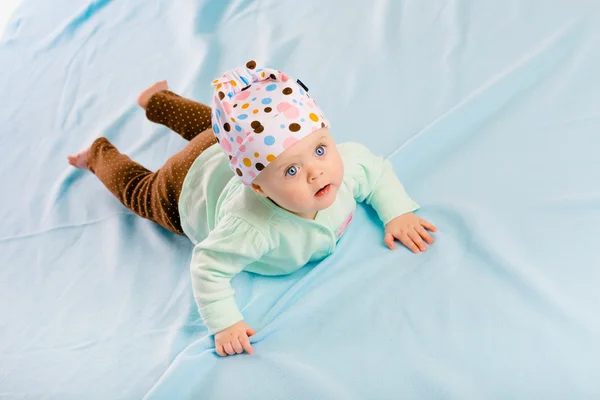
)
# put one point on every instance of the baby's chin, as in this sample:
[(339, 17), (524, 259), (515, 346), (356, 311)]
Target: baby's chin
[(327, 201), (317, 204)]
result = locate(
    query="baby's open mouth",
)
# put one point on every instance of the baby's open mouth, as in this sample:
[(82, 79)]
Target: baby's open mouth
[(323, 191)]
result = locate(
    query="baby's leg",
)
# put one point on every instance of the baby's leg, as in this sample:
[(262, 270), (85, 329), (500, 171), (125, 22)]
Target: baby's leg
[(151, 195), (186, 117)]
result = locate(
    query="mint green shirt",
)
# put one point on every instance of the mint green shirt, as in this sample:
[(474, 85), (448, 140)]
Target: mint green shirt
[(235, 230)]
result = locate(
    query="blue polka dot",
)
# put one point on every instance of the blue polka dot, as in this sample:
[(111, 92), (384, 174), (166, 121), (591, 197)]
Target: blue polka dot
[(271, 87), (231, 139), (238, 128), (218, 113), (301, 105), (266, 100), (269, 140), (230, 94), (301, 119), (254, 99), (302, 91), (216, 129), (242, 116), (282, 126), (295, 101)]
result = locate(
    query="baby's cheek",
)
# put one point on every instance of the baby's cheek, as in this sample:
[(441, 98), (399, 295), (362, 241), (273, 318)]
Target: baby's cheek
[(294, 197)]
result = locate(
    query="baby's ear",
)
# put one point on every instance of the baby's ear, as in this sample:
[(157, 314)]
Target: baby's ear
[(258, 190)]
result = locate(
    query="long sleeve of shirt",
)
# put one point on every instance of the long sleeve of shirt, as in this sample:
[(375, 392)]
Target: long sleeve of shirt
[(227, 250), (376, 183)]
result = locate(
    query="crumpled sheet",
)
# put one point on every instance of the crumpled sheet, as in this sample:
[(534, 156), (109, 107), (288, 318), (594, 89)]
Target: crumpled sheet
[(489, 112)]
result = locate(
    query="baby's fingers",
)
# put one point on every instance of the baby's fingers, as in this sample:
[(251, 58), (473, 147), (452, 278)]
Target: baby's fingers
[(408, 242), (417, 240), (389, 240), (245, 342), (228, 348), (426, 236), (237, 346), (428, 225), (220, 351)]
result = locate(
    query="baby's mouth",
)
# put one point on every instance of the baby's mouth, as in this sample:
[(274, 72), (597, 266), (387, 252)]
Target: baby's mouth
[(323, 191)]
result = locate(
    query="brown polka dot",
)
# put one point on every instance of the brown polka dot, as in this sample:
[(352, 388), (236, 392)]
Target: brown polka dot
[(295, 127), (221, 95), (259, 166), (268, 109), (322, 124), (235, 105), (255, 124), (227, 127), (287, 90), (272, 76), (251, 64)]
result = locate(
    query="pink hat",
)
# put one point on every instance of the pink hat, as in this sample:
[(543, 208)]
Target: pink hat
[(258, 113)]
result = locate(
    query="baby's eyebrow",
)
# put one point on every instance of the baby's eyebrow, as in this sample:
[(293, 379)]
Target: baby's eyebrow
[(320, 141), (322, 138), (284, 166)]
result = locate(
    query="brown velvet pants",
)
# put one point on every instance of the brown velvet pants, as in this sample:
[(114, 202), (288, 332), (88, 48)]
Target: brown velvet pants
[(155, 195)]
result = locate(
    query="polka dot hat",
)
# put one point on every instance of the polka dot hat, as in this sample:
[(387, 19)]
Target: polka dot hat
[(258, 113)]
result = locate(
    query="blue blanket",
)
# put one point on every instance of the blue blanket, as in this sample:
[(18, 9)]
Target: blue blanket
[(489, 112)]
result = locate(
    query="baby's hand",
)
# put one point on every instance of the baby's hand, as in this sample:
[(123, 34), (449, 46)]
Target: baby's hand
[(410, 230), (234, 340)]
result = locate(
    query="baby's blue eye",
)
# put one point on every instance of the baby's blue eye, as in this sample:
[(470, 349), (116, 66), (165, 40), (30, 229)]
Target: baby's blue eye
[(291, 171), (320, 151)]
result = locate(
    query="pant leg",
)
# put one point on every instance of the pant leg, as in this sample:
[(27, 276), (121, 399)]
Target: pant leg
[(186, 117), (151, 195)]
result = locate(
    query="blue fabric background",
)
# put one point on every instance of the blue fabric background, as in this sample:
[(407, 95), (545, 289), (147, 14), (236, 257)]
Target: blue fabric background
[(489, 111)]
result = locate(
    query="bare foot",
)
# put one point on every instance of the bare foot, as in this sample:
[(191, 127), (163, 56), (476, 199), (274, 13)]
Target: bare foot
[(79, 160), (144, 97)]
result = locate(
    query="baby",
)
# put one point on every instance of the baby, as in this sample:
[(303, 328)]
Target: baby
[(275, 194)]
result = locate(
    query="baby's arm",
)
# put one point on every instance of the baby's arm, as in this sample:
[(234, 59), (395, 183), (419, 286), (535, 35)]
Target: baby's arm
[(376, 184), (227, 250)]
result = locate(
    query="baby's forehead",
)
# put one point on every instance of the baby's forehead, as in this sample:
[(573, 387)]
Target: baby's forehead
[(302, 147)]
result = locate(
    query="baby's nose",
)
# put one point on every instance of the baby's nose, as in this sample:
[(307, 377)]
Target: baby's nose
[(314, 174)]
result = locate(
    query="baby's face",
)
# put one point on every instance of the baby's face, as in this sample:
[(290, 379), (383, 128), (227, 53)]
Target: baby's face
[(306, 177)]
